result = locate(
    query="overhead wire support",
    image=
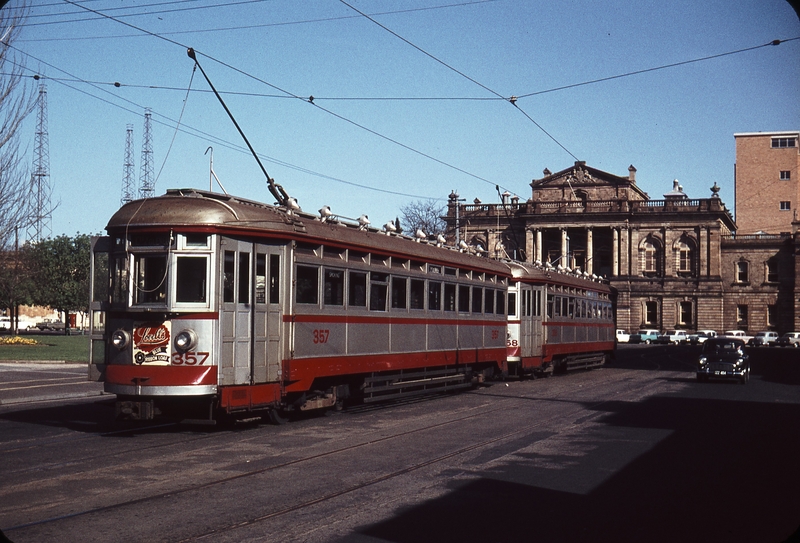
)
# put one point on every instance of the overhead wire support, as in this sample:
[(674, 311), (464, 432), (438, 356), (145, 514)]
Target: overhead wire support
[(512, 99)]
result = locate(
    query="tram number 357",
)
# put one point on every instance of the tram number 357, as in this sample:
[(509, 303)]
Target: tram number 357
[(189, 358), (321, 336)]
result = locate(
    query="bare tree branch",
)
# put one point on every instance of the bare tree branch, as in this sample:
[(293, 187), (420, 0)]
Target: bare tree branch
[(425, 215)]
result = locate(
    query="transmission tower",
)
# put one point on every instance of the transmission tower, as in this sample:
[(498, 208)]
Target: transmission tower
[(129, 174), (41, 212), (146, 181)]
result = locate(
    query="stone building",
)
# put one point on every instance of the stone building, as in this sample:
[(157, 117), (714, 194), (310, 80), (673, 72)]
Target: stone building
[(675, 262)]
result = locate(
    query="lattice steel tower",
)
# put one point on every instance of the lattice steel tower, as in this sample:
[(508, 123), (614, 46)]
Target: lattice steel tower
[(129, 173), (146, 181), (41, 211)]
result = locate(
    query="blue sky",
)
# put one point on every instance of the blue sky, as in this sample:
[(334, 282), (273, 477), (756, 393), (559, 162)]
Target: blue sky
[(390, 123)]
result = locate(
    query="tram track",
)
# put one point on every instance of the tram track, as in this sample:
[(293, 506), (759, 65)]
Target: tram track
[(500, 404)]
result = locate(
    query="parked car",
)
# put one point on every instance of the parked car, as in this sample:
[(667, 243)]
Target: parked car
[(672, 337), (50, 324), (789, 339), (701, 336), (644, 336), (739, 334), (762, 339), (623, 336), (723, 358), (22, 323)]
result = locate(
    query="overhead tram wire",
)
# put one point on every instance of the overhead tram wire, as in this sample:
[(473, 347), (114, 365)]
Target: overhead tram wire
[(205, 136), (308, 100), (512, 100)]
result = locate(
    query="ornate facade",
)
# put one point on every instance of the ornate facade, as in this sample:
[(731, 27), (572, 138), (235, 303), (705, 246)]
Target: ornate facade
[(673, 261)]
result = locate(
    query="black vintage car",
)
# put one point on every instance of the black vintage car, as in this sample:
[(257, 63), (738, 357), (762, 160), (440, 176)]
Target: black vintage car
[(723, 358)]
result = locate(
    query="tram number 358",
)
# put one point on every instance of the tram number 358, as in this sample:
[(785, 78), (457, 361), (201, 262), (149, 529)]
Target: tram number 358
[(189, 358)]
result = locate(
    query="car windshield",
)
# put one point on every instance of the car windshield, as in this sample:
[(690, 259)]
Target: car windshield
[(721, 346)]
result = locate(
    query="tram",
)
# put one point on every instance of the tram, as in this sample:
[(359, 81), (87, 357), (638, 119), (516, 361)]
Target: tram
[(206, 304), (557, 321)]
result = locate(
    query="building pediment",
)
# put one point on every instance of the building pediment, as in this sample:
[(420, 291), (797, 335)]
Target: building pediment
[(590, 183)]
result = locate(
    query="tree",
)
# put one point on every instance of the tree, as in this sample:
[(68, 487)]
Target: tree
[(425, 215), (60, 269), (17, 100)]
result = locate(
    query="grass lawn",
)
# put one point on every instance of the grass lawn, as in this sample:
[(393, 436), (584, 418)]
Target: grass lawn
[(68, 348)]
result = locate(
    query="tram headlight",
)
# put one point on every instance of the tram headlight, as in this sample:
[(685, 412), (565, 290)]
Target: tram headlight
[(186, 340), (120, 339)]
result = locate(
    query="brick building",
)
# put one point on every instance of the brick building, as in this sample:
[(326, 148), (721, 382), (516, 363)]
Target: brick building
[(767, 181), (675, 262)]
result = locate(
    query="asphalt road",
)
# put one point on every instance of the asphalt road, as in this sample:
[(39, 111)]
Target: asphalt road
[(635, 451)]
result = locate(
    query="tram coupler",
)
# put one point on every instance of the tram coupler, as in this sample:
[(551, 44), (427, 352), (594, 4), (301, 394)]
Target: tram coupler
[(134, 410)]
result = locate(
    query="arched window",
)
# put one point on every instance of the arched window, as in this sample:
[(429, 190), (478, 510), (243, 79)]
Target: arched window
[(650, 257), (685, 257)]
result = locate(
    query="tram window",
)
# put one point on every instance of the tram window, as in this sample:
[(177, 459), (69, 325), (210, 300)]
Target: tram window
[(119, 281), (274, 278), (261, 278), (196, 240), (357, 289), (307, 285), (463, 299), (488, 303), (501, 306), (571, 307), (417, 292), (244, 278), (191, 279), (564, 305), (434, 296), (537, 304), (151, 275), (512, 303), (449, 297), (227, 276), (399, 291), (550, 305), (333, 287), (477, 299), (377, 291)]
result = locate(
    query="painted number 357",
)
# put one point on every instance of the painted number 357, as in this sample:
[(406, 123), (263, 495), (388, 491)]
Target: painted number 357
[(189, 358), (321, 336)]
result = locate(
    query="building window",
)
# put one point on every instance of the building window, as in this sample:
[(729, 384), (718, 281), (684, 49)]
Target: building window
[(786, 175), (651, 313), (741, 316), (786, 206), (686, 314), (772, 271), (772, 315), (650, 258), (781, 143), (742, 272), (685, 256)]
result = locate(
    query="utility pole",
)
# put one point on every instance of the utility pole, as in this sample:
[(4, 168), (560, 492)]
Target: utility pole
[(129, 175), (41, 212), (146, 181)]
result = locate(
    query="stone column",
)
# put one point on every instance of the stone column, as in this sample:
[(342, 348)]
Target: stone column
[(615, 251), (564, 261), (539, 245), (589, 251)]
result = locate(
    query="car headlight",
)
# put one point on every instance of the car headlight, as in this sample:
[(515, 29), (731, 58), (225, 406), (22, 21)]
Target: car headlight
[(702, 361), (186, 340)]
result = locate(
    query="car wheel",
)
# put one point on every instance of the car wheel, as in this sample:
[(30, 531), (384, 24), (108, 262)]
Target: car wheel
[(647, 342), (744, 378)]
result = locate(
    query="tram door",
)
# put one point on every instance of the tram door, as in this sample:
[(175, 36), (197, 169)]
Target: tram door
[(531, 329), (250, 316)]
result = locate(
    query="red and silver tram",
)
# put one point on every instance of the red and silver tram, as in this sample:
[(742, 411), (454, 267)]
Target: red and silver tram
[(557, 321), (205, 304)]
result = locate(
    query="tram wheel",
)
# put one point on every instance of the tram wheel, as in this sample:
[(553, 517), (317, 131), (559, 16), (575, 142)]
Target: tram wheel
[(277, 417)]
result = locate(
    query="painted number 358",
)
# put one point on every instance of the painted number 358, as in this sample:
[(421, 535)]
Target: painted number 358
[(321, 336)]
